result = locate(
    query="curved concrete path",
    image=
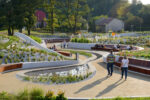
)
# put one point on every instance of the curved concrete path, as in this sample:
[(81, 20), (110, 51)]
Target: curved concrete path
[(98, 86)]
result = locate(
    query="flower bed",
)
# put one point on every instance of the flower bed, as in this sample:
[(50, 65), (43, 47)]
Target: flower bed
[(144, 54), (59, 76)]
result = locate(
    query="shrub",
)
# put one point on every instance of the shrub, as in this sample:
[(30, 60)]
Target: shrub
[(27, 78), (36, 93), (50, 95), (61, 96), (1, 55), (0, 61), (6, 61), (82, 40), (23, 95), (49, 58)]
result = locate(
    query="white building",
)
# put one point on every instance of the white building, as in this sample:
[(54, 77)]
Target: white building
[(109, 24)]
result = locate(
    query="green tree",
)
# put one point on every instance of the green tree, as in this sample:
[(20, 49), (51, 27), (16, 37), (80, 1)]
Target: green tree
[(50, 7)]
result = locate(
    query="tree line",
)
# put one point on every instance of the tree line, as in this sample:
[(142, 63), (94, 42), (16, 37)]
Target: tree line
[(71, 15)]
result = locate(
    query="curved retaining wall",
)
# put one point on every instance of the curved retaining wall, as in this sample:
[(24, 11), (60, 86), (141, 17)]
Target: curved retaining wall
[(31, 65)]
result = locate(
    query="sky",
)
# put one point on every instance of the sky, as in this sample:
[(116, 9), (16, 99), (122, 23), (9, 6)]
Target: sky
[(144, 1)]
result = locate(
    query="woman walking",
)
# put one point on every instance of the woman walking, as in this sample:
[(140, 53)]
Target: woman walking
[(124, 67)]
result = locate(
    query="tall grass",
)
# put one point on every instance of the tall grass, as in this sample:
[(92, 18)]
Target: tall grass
[(34, 94)]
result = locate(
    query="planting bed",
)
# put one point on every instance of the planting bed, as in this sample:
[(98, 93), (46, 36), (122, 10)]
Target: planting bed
[(59, 75)]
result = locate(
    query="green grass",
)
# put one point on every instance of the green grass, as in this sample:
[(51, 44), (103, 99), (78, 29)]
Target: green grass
[(120, 98), (37, 39), (80, 52)]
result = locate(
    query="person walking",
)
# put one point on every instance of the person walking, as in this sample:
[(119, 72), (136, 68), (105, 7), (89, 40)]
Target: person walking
[(110, 63), (124, 67)]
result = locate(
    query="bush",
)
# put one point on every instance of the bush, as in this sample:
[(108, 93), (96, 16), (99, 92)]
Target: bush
[(82, 40), (1, 55), (61, 96), (6, 61), (36, 93), (0, 61), (23, 95), (50, 96), (26, 78)]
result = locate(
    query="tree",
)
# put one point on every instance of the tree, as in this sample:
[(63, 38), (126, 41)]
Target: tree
[(50, 7), (29, 17), (7, 14)]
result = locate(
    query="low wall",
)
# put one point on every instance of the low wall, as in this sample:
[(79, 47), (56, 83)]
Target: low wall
[(31, 65), (86, 46)]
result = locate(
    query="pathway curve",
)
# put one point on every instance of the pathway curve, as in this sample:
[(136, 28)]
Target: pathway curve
[(98, 86)]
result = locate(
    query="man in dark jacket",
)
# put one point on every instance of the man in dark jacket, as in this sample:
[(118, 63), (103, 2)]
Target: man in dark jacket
[(110, 63)]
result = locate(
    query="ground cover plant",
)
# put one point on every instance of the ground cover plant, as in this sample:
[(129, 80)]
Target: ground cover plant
[(5, 41), (144, 54), (33, 94), (56, 79), (141, 40), (16, 55)]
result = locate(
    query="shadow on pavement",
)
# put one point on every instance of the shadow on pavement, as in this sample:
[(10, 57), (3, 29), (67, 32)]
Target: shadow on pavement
[(110, 87), (130, 74), (91, 85)]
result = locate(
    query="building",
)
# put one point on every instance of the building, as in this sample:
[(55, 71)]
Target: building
[(109, 24)]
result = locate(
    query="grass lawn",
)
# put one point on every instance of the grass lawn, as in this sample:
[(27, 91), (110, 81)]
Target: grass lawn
[(80, 52)]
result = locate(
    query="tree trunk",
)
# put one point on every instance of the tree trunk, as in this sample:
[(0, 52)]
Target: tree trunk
[(9, 30), (20, 30), (29, 32), (12, 31)]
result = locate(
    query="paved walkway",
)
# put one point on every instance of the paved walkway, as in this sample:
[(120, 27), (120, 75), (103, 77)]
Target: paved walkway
[(98, 86)]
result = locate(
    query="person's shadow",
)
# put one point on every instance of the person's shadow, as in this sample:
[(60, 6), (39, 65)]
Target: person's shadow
[(91, 85), (110, 87)]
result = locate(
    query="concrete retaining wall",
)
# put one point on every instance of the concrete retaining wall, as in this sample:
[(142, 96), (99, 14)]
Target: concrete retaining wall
[(31, 65), (86, 46)]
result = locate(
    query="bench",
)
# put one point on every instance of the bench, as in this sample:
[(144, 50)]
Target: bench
[(110, 47), (9, 67), (141, 66)]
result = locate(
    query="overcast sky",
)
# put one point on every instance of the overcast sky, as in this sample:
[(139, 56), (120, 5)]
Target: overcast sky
[(144, 1)]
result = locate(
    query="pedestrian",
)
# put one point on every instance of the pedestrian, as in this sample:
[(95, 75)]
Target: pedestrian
[(64, 43), (124, 67), (110, 63)]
